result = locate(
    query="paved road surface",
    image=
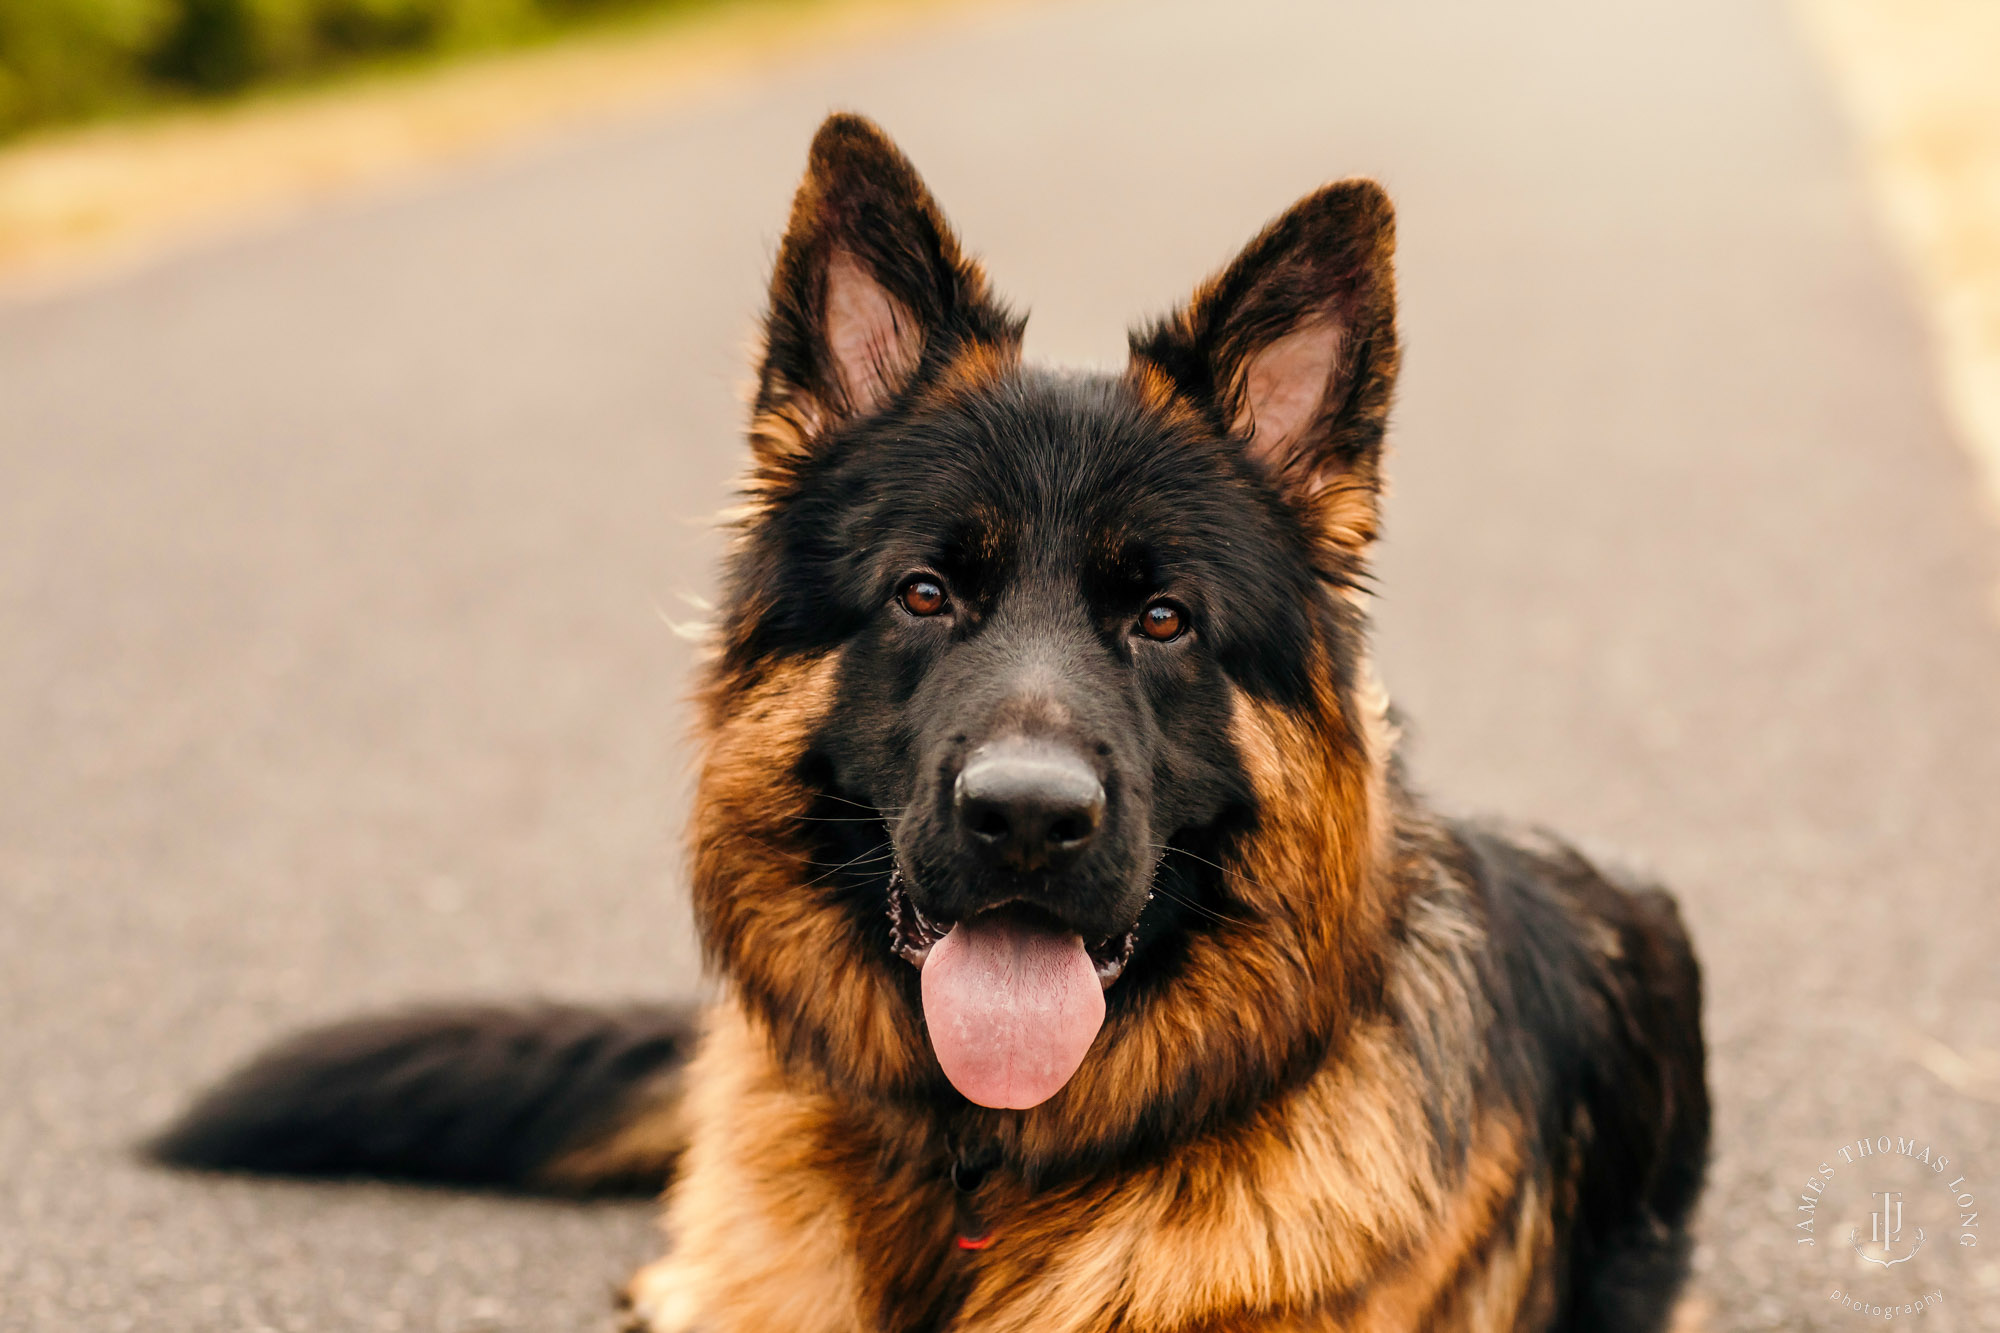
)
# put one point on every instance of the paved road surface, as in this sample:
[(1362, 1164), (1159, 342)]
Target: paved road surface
[(333, 670)]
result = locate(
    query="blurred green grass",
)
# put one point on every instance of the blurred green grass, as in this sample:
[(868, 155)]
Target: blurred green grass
[(70, 60)]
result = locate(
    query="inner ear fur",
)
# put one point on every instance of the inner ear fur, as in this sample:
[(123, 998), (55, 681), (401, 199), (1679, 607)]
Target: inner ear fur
[(1292, 351), (869, 296)]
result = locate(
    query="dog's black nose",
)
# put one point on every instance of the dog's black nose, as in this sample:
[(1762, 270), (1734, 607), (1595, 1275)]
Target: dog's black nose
[(1028, 804)]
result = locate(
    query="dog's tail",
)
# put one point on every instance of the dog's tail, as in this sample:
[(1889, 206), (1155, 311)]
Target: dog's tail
[(550, 1098)]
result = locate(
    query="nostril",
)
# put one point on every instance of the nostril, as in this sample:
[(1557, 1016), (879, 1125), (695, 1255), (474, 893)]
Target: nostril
[(987, 822), (1068, 831)]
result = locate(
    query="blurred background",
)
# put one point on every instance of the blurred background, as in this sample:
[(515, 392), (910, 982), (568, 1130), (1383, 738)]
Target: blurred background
[(369, 381)]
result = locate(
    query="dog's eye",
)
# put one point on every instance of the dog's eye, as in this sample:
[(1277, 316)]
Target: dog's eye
[(1162, 621), (922, 596)]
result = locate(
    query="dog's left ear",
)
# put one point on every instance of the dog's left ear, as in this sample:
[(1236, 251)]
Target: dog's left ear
[(870, 294), (1292, 350)]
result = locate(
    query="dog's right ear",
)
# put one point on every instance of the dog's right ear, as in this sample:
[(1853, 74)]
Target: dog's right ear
[(870, 295), (1292, 350)]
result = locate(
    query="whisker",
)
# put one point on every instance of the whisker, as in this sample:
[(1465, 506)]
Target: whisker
[(1192, 905), (837, 819), (1189, 902), (871, 857), (1215, 865), (887, 812)]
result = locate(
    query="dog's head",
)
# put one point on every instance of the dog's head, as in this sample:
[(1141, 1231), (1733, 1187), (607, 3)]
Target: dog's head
[(1039, 700)]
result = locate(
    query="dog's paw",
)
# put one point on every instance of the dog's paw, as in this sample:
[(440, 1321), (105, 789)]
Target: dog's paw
[(654, 1302)]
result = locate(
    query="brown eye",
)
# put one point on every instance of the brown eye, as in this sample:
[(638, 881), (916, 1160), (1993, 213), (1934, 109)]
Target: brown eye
[(921, 596), (1162, 621)]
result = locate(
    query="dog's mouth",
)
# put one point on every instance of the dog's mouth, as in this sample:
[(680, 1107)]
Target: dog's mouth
[(1012, 998), (913, 935)]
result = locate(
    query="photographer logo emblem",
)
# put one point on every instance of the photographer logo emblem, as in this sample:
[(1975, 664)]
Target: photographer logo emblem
[(1885, 1229), (1870, 1220)]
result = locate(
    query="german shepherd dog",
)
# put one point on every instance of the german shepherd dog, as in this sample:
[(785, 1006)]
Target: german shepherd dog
[(1088, 965)]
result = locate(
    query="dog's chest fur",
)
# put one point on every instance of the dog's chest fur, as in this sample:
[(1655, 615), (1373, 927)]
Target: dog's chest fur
[(1334, 1206)]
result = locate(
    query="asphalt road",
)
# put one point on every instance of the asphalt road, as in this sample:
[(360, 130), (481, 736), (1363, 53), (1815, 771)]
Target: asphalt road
[(335, 560)]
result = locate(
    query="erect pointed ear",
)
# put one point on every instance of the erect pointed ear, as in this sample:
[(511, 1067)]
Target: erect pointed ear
[(869, 296), (1292, 350)]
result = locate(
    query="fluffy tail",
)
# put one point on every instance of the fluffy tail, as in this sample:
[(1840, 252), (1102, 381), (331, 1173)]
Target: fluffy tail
[(550, 1099)]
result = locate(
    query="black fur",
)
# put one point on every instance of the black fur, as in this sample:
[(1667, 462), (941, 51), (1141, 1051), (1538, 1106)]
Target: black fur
[(486, 1096), (1598, 1025)]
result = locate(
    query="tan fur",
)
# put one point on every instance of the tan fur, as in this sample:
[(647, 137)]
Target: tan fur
[(1319, 792), (975, 366), (1348, 512), (649, 1144), (1324, 1202), (1157, 391), (1323, 1211), (1303, 1207), (781, 438), (757, 1227), (1472, 1259)]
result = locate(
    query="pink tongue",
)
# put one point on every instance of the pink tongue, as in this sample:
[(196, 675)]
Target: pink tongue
[(1012, 1008)]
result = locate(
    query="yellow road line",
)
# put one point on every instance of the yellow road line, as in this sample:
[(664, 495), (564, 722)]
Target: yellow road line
[(1921, 82)]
